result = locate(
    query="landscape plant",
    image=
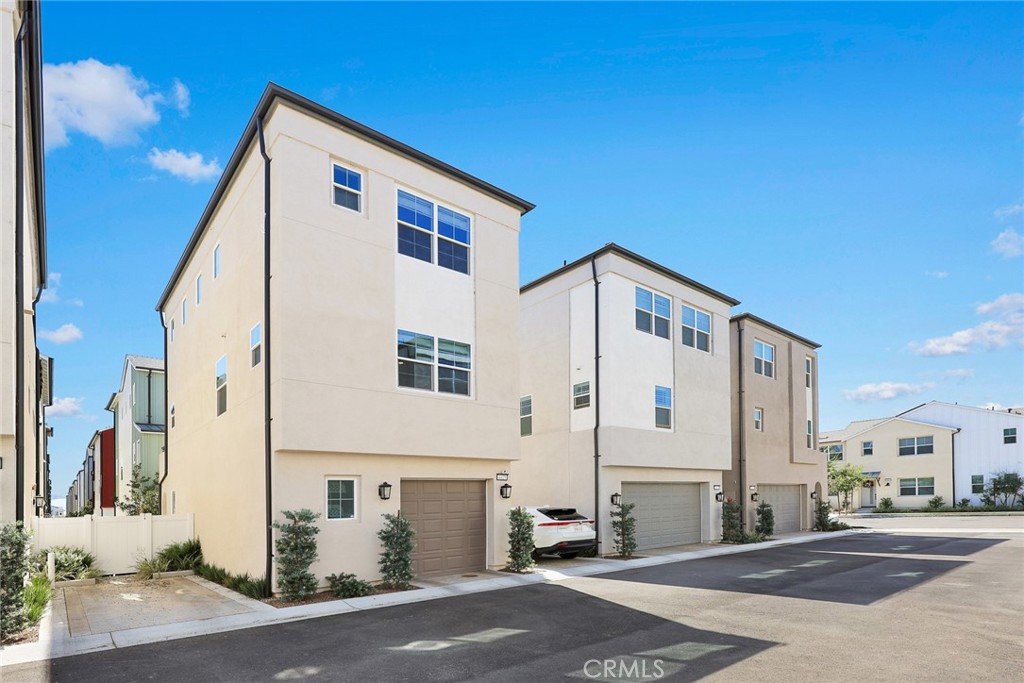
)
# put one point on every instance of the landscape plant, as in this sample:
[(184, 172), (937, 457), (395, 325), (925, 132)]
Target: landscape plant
[(843, 480), (732, 526), (72, 563), (1005, 489), (624, 529), (348, 586), (935, 503), (765, 525), (395, 563), (296, 553), (37, 596), (144, 496), (14, 567), (520, 540), (885, 505), (822, 508)]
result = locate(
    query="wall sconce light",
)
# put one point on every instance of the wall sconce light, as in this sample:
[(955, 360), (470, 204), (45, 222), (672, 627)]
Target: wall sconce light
[(616, 499), (717, 487), (814, 495), (720, 497), (752, 487), (506, 490), (384, 491), (754, 497), (39, 501), (888, 482)]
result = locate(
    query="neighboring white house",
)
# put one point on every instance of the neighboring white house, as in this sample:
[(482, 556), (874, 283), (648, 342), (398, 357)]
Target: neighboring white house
[(139, 422), (625, 391)]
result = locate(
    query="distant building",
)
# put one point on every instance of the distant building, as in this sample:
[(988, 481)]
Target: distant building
[(139, 422)]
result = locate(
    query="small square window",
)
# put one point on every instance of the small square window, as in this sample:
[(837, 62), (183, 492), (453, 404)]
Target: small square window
[(977, 483), (348, 188), (764, 359), (696, 329), (653, 313), (1010, 435), (867, 448), (341, 498), (581, 395)]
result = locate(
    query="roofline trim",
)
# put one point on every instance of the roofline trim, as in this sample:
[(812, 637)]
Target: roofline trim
[(777, 328)]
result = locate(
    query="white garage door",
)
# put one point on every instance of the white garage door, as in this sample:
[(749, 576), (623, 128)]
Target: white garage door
[(785, 502), (666, 514)]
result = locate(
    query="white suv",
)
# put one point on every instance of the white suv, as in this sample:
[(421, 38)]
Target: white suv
[(563, 532)]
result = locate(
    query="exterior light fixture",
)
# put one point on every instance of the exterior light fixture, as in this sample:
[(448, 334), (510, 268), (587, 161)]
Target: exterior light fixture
[(39, 501), (720, 497), (384, 491), (717, 487), (754, 497), (506, 490), (814, 495), (616, 499), (752, 487)]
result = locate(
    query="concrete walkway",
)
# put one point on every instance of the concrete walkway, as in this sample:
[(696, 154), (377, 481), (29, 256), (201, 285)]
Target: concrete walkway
[(199, 607)]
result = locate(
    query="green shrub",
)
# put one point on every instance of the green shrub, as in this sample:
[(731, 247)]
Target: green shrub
[(143, 496), (732, 531), (71, 563), (14, 567), (296, 553), (964, 503), (348, 586), (520, 540), (752, 537), (822, 508), (885, 505), (935, 503), (182, 556), (255, 588), (624, 529), (146, 568), (37, 596), (396, 538), (838, 526), (765, 520), (212, 572)]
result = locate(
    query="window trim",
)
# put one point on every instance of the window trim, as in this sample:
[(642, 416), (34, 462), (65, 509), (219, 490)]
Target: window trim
[(654, 315), (917, 446), (172, 416), (526, 400), (345, 166), (769, 364), (695, 328), (867, 449), (327, 499), (577, 395), (917, 486), (435, 230), (435, 364)]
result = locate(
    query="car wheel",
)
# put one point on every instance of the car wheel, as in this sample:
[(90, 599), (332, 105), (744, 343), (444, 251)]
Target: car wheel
[(590, 552), (535, 555), (567, 556)]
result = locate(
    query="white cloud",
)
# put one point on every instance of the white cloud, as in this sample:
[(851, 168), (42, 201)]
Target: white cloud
[(1007, 303), (190, 167), (107, 102), (1004, 329), (1005, 212), (50, 294), (937, 274), (181, 97), (64, 334), (1008, 243), (884, 391), (957, 373), (65, 407)]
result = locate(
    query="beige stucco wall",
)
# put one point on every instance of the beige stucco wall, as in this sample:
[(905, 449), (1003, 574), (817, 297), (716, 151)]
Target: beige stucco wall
[(778, 454)]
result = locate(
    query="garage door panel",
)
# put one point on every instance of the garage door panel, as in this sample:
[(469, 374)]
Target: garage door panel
[(450, 520), (786, 505), (666, 513)]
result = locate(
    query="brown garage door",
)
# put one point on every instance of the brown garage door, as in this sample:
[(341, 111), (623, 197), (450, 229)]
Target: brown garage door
[(450, 519)]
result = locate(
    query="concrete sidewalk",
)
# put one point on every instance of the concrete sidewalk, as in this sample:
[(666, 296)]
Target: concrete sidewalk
[(59, 638)]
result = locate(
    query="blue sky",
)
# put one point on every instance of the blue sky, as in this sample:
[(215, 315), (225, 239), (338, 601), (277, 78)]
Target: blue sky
[(850, 172)]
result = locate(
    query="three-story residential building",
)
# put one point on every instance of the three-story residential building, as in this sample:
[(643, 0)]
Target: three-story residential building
[(341, 335), (625, 392), (775, 458), (139, 423)]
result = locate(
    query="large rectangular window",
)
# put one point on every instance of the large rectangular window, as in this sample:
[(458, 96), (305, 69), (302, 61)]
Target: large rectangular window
[(526, 416), (348, 188), (416, 219), (255, 345), (834, 452), (581, 395), (453, 366), (1010, 435), (977, 483), (341, 498), (415, 360), (921, 445), (921, 486), (222, 385), (696, 329), (764, 359), (663, 407), (653, 313)]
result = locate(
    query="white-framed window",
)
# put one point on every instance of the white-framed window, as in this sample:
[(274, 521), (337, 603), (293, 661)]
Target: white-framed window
[(255, 345), (341, 498), (526, 415), (696, 329), (216, 261), (764, 358), (808, 368), (867, 447), (977, 483), (172, 329), (184, 308), (1010, 435), (348, 188), (416, 236), (920, 445), (653, 313), (662, 407), (222, 384), (581, 395), (417, 362), (199, 289), (834, 452), (810, 434), (759, 419), (172, 416), (919, 486)]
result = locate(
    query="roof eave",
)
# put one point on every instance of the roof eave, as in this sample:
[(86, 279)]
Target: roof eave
[(777, 328)]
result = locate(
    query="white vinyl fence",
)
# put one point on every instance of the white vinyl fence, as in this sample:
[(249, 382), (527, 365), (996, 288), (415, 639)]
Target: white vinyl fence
[(117, 543)]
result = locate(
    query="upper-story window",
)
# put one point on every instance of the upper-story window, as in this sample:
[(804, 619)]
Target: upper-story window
[(417, 361), (184, 308), (199, 289), (1010, 435), (810, 434), (255, 345), (172, 329), (653, 313), (663, 407), (921, 445), (581, 395), (453, 366), (216, 261), (348, 188), (867, 447), (222, 385), (696, 328), (834, 452), (764, 359), (808, 365), (526, 415), (416, 218), (172, 416), (759, 419)]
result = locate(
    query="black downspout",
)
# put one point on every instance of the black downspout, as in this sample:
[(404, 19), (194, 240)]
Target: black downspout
[(597, 401), (741, 494), (167, 422), (19, 271), (266, 352)]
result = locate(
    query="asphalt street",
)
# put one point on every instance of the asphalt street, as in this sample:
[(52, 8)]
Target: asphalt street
[(924, 606)]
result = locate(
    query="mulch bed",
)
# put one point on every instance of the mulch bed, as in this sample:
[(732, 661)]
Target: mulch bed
[(29, 635)]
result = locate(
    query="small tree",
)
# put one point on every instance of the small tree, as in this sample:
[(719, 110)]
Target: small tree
[(296, 552), (14, 567), (1006, 489), (144, 496), (520, 540), (886, 504), (822, 508), (732, 527), (396, 559), (935, 503), (765, 519), (844, 480), (624, 529)]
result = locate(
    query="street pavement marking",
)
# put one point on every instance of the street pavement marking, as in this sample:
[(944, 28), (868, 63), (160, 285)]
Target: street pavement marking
[(684, 652), (812, 563), (912, 574), (766, 574), (489, 636), (903, 547), (297, 673)]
